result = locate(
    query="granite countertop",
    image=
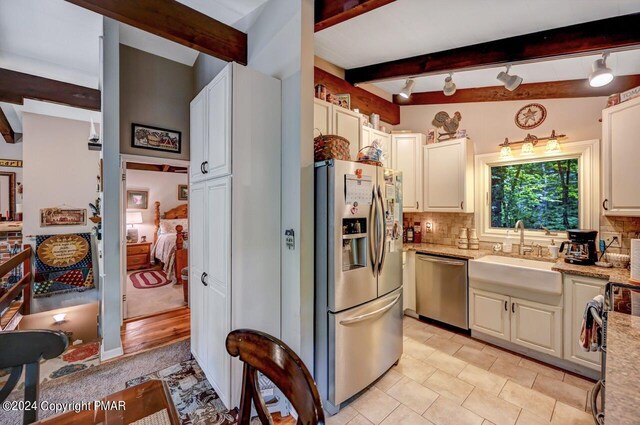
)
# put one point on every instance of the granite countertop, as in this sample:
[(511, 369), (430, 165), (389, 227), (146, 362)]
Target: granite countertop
[(623, 375), (448, 250), (615, 275)]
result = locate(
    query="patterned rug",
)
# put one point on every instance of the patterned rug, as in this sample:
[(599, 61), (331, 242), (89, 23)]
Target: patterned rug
[(74, 359), (148, 279), (195, 400)]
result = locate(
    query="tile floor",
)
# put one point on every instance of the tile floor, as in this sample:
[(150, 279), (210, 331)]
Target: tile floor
[(444, 378)]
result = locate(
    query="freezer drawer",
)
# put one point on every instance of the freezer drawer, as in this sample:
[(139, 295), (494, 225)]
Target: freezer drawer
[(364, 342), (442, 289)]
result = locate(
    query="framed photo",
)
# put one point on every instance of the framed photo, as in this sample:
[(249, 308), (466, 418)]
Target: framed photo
[(183, 192), (132, 235), (155, 138), (63, 217), (431, 136), (343, 100), (11, 163), (137, 199)]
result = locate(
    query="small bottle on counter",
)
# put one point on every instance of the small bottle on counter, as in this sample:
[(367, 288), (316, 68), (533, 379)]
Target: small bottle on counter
[(409, 234)]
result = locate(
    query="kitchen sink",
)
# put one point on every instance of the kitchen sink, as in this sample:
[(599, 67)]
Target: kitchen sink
[(532, 275)]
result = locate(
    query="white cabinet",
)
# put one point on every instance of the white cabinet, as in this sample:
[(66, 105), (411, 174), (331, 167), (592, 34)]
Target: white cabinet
[(198, 136), (448, 176), (369, 135), (489, 313), (406, 156), (228, 290), (333, 119), (409, 281), (620, 128), (529, 324), (536, 326), (578, 290)]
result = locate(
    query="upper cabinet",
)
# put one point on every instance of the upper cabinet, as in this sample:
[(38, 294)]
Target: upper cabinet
[(369, 135), (620, 128), (448, 176), (406, 156), (333, 119), (211, 129)]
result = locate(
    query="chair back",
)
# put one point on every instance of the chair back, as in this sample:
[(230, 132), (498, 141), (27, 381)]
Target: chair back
[(263, 353), (20, 348)]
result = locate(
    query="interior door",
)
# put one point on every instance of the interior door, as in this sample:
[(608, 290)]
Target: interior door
[(197, 254), (389, 188), (218, 278), (123, 237)]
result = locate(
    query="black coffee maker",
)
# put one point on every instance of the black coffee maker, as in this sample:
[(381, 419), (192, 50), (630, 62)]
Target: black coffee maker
[(581, 247)]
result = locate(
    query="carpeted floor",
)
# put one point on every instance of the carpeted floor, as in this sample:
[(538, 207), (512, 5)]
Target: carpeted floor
[(100, 381)]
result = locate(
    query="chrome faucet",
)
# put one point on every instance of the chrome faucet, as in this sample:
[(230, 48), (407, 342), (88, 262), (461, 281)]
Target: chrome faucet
[(520, 227)]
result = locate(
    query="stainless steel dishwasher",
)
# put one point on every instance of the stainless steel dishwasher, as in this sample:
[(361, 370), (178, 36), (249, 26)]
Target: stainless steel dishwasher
[(442, 290)]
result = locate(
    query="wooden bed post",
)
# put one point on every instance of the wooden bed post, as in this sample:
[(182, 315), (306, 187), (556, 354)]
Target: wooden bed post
[(156, 221), (179, 237)]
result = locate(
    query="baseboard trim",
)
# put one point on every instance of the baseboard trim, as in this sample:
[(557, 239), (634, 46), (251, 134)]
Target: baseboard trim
[(110, 354)]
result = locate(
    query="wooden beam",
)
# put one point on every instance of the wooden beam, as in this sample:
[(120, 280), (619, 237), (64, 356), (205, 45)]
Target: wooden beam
[(583, 39), (361, 99), (162, 168), (16, 86), (176, 22), (332, 12), (5, 129), (548, 90)]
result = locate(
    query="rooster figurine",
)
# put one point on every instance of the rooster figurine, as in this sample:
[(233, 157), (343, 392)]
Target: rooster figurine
[(449, 124)]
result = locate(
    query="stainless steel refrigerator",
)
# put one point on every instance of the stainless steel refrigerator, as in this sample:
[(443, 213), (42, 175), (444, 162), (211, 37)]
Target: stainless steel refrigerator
[(358, 277)]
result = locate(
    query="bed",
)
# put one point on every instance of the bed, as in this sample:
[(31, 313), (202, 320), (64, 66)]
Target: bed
[(169, 237)]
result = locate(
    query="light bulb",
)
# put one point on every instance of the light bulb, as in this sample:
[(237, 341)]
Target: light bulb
[(552, 146), (505, 152), (527, 149)]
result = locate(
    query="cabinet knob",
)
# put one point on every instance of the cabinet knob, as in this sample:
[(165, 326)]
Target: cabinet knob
[(604, 205), (202, 278)]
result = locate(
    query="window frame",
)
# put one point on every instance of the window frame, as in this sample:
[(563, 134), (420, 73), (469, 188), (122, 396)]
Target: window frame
[(588, 155)]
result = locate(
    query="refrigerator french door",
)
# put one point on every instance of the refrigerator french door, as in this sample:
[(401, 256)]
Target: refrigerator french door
[(358, 279)]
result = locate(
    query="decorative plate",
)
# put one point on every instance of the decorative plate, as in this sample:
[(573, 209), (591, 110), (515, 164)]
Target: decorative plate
[(530, 116)]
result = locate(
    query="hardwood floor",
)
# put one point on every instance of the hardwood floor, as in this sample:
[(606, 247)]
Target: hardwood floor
[(146, 333)]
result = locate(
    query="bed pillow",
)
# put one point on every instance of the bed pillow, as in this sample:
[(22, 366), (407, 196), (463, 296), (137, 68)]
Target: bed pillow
[(169, 226)]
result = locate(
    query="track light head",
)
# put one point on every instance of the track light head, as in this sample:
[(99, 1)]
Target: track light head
[(601, 74), (449, 86), (405, 93), (511, 82)]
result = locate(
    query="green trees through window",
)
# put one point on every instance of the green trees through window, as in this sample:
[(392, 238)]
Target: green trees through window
[(538, 193)]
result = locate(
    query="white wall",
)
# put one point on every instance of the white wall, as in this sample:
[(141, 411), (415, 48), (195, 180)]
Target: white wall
[(58, 170), (162, 187), (488, 123)]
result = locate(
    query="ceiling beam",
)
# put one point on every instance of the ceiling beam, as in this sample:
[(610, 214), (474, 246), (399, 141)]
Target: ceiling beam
[(331, 12), (176, 22), (5, 129), (162, 168), (588, 38), (365, 101), (17, 86), (548, 90)]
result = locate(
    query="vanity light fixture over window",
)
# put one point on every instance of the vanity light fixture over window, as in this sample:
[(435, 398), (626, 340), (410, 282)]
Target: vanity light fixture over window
[(529, 143)]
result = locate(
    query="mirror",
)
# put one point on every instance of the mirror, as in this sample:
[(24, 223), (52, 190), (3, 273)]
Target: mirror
[(7, 195)]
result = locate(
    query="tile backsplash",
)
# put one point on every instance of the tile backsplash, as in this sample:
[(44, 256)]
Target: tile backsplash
[(446, 227)]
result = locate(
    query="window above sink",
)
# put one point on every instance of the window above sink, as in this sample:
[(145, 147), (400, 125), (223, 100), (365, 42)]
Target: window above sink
[(559, 191)]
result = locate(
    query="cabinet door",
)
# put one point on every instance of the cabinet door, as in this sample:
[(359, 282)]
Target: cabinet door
[(219, 93), (198, 138), (385, 141), (621, 126), (536, 326), (578, 290), (347, 124), (409, 281), (218, 262), (197, 254), (489, 313), (444, 174), (406, 156), (365, 138), (322, 123)]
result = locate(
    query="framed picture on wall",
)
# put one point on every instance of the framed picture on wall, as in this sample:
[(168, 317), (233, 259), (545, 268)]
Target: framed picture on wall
[(183, 192), (63, 217), (155, 138), (137, 199)]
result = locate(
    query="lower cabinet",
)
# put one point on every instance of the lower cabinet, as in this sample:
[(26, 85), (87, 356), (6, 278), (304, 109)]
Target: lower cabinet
[(526, 323), (409, 281), (578, 290)]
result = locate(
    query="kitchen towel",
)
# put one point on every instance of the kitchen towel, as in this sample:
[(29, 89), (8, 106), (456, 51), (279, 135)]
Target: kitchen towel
[(635, 259)]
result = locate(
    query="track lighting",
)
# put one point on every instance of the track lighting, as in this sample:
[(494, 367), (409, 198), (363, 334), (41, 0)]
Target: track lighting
[(511, 82), (601, 74), (449, 86), (405, 93)]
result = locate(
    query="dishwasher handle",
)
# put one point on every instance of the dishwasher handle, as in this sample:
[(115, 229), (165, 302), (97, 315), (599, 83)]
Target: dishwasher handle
[(441, 261)]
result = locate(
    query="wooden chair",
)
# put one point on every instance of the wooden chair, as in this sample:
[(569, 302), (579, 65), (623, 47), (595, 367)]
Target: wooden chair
[(263, 353), (19, 348)]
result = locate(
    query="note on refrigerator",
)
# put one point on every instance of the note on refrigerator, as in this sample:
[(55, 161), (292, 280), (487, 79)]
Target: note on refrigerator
[(358, 189)]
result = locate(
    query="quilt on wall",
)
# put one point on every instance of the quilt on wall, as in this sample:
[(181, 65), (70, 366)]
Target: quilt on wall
[(63, 264)]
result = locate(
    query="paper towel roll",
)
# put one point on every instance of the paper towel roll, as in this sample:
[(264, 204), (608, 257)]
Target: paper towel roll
[(635, 259)]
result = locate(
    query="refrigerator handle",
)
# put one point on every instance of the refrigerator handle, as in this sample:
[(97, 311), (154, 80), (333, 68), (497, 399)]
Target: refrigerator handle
[(383, 233), (371, 315), (372, 234)]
